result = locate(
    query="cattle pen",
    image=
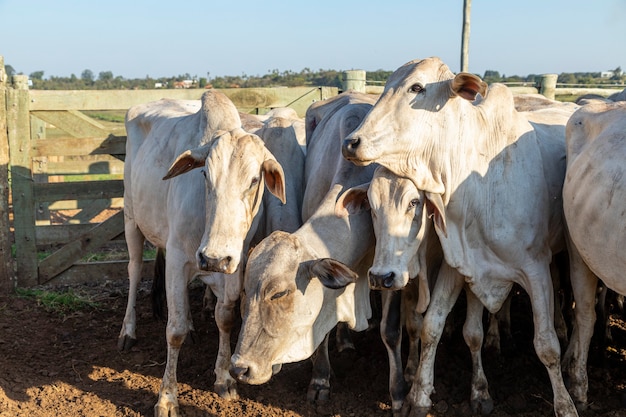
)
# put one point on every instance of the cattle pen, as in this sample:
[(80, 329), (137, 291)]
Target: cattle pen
[(55, 158)]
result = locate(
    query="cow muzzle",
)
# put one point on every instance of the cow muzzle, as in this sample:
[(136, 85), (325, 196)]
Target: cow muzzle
[(385, 281), (224, 264)]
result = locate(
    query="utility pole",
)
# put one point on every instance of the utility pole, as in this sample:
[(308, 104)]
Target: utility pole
[(467, 6)]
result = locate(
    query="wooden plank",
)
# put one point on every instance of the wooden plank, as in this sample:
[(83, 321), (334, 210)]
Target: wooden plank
[(18, 126), (96, 165), (63, 146), (116, 202), (7, 276), (81, 190), (302, 97), (100, 272), (72, 122), (73, 251), (59, 233)]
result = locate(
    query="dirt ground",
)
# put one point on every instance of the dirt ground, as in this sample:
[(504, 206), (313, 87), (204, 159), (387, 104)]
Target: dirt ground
[(54, 364)]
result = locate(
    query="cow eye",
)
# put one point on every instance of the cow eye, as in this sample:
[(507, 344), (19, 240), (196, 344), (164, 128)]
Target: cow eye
[(254, 182), (413, 203), (279, 295), (416, 88)]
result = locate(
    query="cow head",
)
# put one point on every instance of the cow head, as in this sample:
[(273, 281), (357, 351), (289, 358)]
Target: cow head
[(288, 306), (416, 122), (235, 164), (406, 245)]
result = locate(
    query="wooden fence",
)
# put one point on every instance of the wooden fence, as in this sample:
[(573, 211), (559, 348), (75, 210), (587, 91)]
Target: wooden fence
[(46, 138)]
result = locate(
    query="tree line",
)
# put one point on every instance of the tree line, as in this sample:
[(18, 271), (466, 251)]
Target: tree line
[(106, 80)]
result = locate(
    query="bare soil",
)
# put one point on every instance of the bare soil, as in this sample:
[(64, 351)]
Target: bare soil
[(67, 364)]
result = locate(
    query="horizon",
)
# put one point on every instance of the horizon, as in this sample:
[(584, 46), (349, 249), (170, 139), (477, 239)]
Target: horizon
[(140, 39)]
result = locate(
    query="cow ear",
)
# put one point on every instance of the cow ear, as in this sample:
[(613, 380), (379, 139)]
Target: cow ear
[(274, 179), (333, 274), (436, 211), (187, 161), (468, 85), (353, 201)]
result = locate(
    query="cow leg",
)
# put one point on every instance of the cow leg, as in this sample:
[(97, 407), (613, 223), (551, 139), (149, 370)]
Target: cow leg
[(134, 240), (546, 342), (447, 288), (225, 315), (413, 322), (319, 387), (178, 325), (343, 337), (499, 328), (560, 324), (584, 284), (480, 399), (391, 334)]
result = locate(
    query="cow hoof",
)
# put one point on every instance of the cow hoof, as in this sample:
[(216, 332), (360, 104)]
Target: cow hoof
[(318, 394), (124, 344), (227, 391), (482, 407)]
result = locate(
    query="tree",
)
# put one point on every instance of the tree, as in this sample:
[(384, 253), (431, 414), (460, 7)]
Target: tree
[(87, 75), (105, 76), (9, 70), (37, 75)]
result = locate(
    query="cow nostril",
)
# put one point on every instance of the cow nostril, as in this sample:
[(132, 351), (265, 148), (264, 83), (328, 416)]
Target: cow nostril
[(388, 280), (202, 262), (238, 372), (224, 262), (381, 280)]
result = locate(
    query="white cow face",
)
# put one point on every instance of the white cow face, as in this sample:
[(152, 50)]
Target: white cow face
[(236, 165), (288, 307), (415, 119)]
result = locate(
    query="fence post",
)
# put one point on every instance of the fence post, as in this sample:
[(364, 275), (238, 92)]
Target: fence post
[(548, 85), (7, 274), (18, 124), (354, 80)]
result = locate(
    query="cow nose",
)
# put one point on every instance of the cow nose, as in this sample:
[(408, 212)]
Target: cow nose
[(350, 144), (381, 281), (238, 372), (206, 263)]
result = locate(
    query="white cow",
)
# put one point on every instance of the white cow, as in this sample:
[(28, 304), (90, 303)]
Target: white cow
[(487, 170), (298, 286), (594, 203), (203, 220), (407, 250)]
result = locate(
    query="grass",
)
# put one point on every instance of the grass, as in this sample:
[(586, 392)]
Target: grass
[(56, 302)]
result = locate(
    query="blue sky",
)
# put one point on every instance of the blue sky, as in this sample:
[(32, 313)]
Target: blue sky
[(137, 38)]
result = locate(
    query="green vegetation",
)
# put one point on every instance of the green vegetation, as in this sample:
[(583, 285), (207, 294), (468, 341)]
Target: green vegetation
[(57, 302), (107, 80)]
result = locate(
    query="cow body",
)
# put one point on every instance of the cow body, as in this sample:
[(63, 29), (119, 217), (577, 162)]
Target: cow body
[(203, 219), (484, 166), (295, 294), (594, 197)]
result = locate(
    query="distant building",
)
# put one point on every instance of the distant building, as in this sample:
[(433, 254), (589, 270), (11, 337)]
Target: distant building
[(184, 84), (607, 74), (158, 85)]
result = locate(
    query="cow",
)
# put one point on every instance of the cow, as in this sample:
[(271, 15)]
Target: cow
[(408, 250), (298, 286), (487, 171), (203, 220), (594, 197)]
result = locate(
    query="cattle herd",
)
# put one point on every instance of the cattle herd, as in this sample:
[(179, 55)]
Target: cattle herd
[(441, 184)]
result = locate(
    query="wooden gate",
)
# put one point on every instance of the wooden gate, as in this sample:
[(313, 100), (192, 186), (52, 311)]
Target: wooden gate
[(52, 141)]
